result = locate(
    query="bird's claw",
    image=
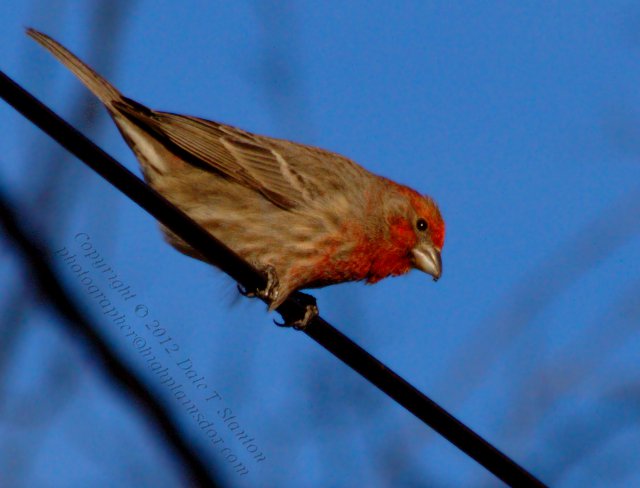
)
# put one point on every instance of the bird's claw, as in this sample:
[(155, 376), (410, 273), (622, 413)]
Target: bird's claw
[(270, 294), (270, 291), (300, 323)]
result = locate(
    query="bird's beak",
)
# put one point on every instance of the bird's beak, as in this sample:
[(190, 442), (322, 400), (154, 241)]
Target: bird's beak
[(427, 258)]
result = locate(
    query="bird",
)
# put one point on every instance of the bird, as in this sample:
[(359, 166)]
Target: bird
[(304, 216)]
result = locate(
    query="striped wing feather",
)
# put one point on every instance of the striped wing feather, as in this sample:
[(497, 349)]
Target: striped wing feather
[(251, 160)]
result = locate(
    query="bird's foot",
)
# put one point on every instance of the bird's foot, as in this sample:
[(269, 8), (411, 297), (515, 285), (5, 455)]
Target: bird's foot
[(294, 320), (271, 294), (270, 291)]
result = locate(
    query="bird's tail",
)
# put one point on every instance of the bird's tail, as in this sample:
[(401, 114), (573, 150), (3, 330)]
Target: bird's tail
[(100, 87)]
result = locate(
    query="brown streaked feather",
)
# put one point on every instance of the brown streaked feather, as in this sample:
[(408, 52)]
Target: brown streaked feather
[(231, 152), (282, 171), (100, 87)]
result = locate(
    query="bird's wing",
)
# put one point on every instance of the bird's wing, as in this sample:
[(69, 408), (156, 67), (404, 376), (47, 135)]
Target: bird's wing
[(283, 171)]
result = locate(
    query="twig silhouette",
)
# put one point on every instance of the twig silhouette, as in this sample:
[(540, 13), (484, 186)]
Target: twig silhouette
[(54, 292)]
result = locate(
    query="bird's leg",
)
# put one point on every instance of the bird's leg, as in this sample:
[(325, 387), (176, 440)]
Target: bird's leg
[(271, 294), (294, 320), (270, 291)]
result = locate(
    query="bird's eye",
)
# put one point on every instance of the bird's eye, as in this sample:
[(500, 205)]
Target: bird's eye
[(422, 225)]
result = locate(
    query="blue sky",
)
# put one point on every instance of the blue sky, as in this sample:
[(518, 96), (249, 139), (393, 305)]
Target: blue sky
[(520, 118)]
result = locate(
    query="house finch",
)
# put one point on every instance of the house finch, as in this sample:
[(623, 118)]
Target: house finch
[(305, 216)]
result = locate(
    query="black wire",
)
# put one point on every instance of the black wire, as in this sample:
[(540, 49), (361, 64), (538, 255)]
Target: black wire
[(213, 250)]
